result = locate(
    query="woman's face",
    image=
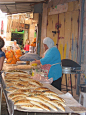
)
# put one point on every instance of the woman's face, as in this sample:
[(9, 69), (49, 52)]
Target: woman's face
[(14, 43), (46, 47)]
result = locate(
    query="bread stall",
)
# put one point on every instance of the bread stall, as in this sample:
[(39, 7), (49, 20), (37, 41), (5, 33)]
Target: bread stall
[(25, 94), (28, 92)]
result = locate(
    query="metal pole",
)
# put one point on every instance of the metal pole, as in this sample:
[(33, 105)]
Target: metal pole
[(80, 42), (27, 113), (71, 85), (66, 82), (39, 34)]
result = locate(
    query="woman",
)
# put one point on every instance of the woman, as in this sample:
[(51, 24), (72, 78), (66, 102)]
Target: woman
[(15, 46), (51, 62), (27, 46), (2, 54)]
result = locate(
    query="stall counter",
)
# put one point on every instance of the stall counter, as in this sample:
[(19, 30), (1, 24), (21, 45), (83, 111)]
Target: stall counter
[(71, 103)]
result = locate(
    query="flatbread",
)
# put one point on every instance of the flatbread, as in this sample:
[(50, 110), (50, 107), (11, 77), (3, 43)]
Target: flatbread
[(58, 105), (8, 75), (20, 86), (16, 94), (11, 89), (32, 86), (34, 82), (40, 105), (45, 105), (55, 97), (35, 98), (16, 73), (31, 107), (14, 99), (35, 93), (26, 83), (25, 91), (25, 74), (20, 71), (22, 102), (9, 85), (54, 100), (11, 82), (47, 102), (50, 93), (13, 78), (43, 97), (41, 89), (24, 78)]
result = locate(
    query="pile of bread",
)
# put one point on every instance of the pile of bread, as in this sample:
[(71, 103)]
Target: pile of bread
[(29, 94)]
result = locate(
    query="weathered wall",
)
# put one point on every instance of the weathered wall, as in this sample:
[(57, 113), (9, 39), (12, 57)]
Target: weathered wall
[(56, 2), (44, 27), (83, 57), (68, 32), (33, 24)]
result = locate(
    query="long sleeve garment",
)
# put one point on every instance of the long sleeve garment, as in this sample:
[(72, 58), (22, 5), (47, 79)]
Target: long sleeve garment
[(52, 56)]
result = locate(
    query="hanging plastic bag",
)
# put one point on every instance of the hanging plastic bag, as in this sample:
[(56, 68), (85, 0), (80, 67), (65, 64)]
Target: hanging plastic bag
[(42, 79)]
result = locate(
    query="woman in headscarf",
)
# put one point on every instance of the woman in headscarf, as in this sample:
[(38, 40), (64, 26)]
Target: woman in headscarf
[(51, 62)]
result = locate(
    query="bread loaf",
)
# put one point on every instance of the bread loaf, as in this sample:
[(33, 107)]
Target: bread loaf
[(31, 107)]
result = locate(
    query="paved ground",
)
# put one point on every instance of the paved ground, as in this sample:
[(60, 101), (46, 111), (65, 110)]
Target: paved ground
[(4, 110)]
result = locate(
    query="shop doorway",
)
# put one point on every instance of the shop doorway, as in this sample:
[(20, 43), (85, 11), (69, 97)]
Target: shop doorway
[(18, 37)]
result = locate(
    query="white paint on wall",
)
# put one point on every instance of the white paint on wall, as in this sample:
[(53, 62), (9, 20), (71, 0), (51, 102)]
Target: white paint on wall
[(59, 9), (3, 17), (25, 36)]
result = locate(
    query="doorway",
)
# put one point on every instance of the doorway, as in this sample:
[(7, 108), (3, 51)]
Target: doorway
[(18, 37)]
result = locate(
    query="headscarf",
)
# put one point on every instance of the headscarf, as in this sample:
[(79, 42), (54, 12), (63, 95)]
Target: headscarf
[(49, 42), (15, 41)]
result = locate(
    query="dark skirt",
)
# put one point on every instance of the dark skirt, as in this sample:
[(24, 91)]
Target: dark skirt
[(57, 83)]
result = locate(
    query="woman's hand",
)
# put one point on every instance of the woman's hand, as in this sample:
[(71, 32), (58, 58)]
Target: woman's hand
[(32, 62), (36, 61)]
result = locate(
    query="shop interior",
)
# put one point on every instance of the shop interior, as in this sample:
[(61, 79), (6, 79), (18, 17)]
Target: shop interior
[(18, 36)]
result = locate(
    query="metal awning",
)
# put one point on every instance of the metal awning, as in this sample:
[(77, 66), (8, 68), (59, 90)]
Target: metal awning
[(19, 6)]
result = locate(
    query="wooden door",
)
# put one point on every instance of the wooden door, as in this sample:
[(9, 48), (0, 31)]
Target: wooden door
[(66, 26)]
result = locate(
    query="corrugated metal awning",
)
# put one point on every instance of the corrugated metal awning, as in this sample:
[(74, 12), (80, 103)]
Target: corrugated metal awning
[(19, 6)]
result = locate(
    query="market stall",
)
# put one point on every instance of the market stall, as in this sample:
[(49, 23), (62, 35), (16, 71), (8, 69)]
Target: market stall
[(35, 96)]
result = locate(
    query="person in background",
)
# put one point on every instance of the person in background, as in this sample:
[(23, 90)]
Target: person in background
[(27, 44), (51, 62), (15, 45), (2, 54)]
